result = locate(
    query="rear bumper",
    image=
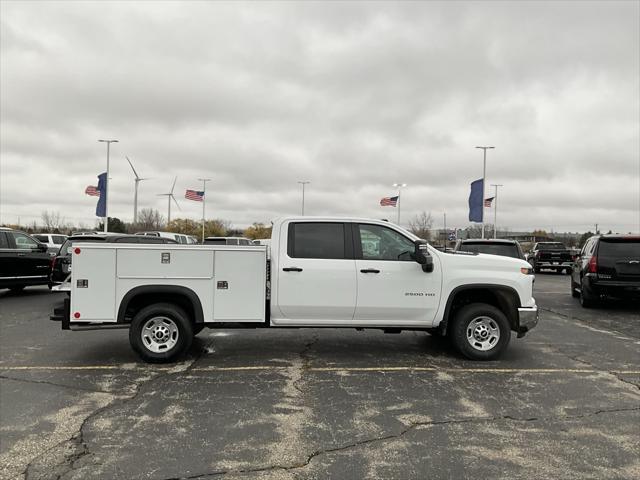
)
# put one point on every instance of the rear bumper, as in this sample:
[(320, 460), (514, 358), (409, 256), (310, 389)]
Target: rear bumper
[(545, 264), (608, 288), (528, 319)]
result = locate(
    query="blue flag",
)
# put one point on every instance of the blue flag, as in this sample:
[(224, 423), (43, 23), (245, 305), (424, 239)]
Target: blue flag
[(476, 200), (101, 207)]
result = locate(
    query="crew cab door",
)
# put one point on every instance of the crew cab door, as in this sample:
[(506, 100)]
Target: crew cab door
[(316, 272), (392, 287)]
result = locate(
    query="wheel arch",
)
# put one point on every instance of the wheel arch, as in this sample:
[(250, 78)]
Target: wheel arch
[(503, 297), (139, 297)]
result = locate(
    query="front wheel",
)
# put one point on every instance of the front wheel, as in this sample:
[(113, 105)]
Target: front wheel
[(160, 333), (480, 331)]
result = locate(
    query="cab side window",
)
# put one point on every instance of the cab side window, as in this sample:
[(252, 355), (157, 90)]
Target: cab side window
[(23, 242), (382, 243)]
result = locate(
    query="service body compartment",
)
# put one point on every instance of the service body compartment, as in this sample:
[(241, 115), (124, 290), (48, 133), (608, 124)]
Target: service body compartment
[(240, 285), (93, 285)]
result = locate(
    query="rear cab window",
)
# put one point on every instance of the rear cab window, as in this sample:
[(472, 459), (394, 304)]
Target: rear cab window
[(322, 240)]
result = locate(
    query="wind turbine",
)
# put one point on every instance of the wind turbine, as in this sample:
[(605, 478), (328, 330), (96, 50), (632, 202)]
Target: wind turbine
[(169, 198), (135, 195)]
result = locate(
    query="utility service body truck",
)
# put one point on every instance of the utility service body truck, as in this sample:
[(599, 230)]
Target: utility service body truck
[(320, 272)]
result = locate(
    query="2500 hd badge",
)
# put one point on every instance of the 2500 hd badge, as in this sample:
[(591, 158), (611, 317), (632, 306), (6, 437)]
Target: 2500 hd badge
[(419, 294)]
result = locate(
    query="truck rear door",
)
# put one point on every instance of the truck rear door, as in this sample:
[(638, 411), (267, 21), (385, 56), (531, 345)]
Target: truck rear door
[(316, 271)]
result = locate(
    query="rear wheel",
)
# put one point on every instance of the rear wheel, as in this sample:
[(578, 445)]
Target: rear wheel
[(480, 331), (574, 289), (160, 333), (586, 299)]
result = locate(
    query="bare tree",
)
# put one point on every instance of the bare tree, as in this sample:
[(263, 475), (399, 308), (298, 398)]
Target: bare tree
[(421, 225), (52, 221), (149, 219)]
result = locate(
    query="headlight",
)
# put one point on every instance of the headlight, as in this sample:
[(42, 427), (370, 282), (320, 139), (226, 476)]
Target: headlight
[(526, 270)]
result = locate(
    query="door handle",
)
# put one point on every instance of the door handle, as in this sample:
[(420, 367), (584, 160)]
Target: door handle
[(370, 270), (291, 269)]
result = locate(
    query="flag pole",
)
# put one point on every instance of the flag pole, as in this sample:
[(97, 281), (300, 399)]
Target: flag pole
[(495, 210), (204, 201), (399, 186), (106, 187), (484, 175)]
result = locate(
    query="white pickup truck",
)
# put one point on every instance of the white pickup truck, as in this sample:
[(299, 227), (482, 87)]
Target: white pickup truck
[(320, 272)]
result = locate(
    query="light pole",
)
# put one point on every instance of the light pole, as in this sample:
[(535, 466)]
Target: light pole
[(303, 183), (484, 174), (495, 210), (106, 187), (204, 201), (399, 186)]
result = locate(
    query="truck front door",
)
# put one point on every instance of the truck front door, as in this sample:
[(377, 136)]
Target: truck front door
[(391, 286), (316, 272)]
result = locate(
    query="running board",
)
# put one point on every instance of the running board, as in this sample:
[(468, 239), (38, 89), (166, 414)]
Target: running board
[(79, 328)]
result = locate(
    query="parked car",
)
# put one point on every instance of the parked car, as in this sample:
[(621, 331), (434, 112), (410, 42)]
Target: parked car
[(608, 266), (24, 261), (61, 263), (178, 237), (505, 248), (52, 240), (227, 241), (550, 255)]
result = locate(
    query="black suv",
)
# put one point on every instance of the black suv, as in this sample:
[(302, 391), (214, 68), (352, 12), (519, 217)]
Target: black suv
[(607, 266), (24, 261), (61, 264), (505, 248)]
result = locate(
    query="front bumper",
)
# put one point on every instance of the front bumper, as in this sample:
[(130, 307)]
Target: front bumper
[(528, 319)]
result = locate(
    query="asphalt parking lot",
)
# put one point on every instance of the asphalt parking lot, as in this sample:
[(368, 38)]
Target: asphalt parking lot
[(563, 402)]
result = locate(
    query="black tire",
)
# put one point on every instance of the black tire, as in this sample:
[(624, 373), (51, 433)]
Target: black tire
[(574, 289), (536, 269), (461, 328), (586, 299), (171, 322)]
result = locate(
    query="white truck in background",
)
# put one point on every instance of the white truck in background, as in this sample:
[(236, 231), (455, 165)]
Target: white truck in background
[(321, 272)]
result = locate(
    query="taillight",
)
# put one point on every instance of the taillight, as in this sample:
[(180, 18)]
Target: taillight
[(53, 262), (593, 265)]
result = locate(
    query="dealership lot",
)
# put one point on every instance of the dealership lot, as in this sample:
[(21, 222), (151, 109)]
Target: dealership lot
[(564, 402)]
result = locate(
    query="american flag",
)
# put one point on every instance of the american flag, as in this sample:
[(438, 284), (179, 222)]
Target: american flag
[(389, 201), (92, 190), (195, 195), (487, 201)]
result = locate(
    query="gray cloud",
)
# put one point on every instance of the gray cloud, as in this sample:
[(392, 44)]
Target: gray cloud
[(352, 96)]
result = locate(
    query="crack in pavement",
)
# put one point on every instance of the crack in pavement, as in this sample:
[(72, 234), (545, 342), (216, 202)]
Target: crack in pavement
[(306, 361), (76, 441), (384, 438)]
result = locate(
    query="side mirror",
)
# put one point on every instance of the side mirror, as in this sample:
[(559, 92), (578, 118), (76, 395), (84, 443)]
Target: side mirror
[(422, 256)]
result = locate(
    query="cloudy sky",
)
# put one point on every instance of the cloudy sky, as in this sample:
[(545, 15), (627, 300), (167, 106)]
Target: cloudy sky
[(351, 96)]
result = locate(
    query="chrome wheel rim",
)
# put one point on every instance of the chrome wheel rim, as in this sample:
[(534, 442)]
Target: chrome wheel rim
[(483, 333), (159, 334)]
